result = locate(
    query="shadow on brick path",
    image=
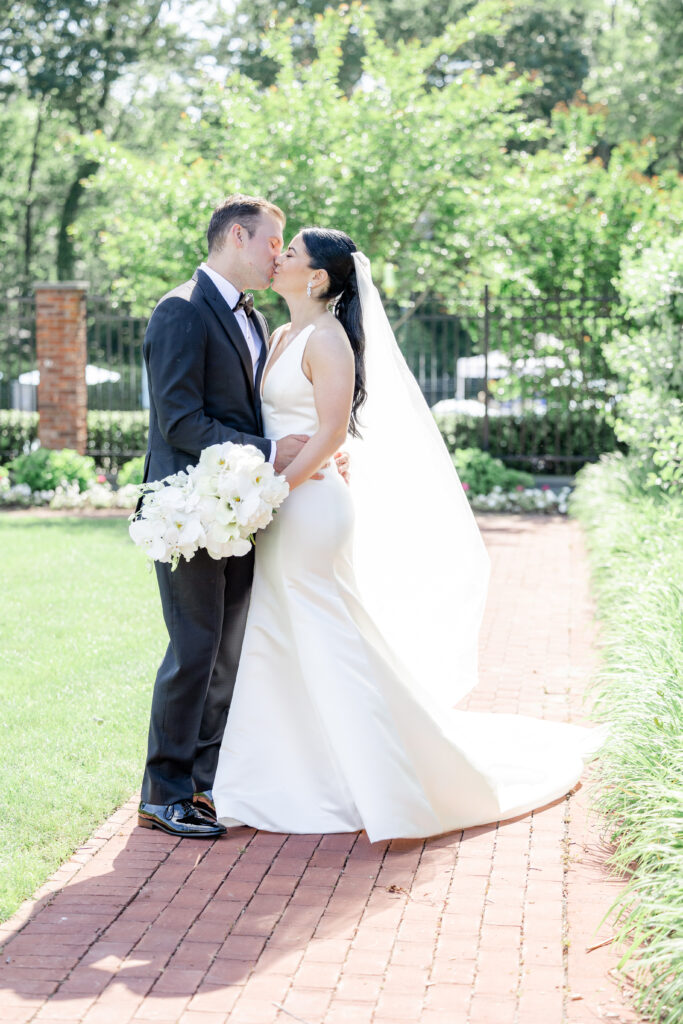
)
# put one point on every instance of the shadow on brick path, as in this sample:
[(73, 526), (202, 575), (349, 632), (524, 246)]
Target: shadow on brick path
[(487, 926)]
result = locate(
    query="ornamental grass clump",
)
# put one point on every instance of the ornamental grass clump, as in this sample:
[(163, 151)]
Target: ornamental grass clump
[(636, 544)]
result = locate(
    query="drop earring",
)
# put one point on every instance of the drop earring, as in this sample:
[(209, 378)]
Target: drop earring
[(309, 289)]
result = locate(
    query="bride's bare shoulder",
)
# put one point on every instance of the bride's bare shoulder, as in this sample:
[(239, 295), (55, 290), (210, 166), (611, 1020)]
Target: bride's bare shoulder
[(329, 341), (277, 332), (330, 331)]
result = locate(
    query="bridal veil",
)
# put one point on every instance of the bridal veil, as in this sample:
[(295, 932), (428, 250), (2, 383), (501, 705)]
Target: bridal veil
[(420, 561)]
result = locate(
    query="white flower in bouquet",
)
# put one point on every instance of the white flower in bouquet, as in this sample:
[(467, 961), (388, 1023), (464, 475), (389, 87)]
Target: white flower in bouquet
[(185, 535), (149, 534), (173, 497), (168, 525), (274, 488), (233, 485), (167, 537), (223, 540), (246, 507), (246, 458), (245, 483), (261, 516), (215, 459)]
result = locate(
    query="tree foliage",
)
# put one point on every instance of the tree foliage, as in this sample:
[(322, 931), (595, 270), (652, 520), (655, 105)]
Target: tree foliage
[(66, 59), (546, 39), (445, 189), (449, 176), (637, 72), (397, 163)]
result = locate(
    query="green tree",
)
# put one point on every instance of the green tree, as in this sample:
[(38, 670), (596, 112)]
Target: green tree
[(440, 187), (637, 71), (66, 59), (546, 39), (573, 216)]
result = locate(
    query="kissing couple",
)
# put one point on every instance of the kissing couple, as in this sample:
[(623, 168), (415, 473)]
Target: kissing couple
[(309, 685)]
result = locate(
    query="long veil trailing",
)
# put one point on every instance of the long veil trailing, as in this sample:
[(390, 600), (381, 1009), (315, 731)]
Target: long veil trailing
[(420, 562)]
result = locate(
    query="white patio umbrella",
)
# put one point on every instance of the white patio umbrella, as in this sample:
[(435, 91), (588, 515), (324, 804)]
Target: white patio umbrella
[(93, 375)]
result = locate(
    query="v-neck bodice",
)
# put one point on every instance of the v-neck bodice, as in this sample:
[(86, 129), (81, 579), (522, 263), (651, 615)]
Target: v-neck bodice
[(287, 401)]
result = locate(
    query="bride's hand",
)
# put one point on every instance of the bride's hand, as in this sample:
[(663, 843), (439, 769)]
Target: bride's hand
[(343, 464)]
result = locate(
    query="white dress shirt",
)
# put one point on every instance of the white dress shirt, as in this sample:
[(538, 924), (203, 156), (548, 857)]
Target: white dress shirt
[(252, 338), (231, 296)]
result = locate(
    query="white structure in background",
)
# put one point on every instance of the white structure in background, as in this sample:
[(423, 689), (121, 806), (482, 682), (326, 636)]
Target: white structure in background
[(24, 389), (476, 370)]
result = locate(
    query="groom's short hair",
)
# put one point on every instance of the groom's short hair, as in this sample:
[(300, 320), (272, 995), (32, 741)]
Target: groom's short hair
[(238, 209)]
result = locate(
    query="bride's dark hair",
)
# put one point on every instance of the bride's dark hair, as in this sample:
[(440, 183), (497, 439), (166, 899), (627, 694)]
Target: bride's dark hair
[(332, 251)]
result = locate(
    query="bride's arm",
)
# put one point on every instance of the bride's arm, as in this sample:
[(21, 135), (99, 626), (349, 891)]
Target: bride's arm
[(329, 360)]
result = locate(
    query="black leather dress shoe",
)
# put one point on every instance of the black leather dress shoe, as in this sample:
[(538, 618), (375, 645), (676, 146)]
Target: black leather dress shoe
[(183, 819), (204, 801)]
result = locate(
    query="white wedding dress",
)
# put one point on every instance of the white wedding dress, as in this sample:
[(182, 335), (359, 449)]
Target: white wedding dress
[(327, 730)]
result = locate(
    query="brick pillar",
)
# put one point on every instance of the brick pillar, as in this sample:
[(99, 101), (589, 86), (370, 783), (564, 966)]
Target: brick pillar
[(62, 356)]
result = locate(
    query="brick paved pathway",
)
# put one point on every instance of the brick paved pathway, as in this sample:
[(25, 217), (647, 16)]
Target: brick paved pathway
[(494, 925)]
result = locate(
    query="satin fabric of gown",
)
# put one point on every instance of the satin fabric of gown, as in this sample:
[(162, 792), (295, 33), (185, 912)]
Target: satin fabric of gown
[(326, 731)]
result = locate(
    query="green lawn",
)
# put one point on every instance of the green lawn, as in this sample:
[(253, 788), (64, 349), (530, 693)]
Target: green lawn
[(81, 635)]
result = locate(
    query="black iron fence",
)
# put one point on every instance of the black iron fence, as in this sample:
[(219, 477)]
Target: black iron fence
[(116, 376), (523, 377), (18, 365)]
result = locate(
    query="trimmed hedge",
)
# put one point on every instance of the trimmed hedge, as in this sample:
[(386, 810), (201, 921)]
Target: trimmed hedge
[(581, 434), (532, 442), (18, 430), (115, 437)]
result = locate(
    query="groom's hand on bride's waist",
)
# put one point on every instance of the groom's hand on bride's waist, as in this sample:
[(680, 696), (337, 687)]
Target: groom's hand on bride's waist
[(287, 449)]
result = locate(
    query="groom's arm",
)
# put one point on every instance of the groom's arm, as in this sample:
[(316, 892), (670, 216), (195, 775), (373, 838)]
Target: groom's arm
[(175, 350)]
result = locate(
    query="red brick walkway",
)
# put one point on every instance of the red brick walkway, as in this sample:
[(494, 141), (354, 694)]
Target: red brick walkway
[(494, 925)]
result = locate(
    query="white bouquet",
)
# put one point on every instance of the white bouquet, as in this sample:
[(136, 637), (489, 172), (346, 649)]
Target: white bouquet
[(217, 504)]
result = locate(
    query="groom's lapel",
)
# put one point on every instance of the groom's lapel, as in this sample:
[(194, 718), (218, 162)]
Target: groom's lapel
[(259, 324), (228, 321)]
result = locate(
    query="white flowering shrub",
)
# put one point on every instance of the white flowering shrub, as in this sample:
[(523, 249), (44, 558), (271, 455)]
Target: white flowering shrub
[(523, 499)]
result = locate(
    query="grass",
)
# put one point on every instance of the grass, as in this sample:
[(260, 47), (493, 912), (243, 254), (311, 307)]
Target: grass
[(81, 635), (636, 545)]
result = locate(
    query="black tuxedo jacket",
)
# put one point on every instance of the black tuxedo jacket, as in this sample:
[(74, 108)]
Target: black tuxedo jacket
[(201, 382)]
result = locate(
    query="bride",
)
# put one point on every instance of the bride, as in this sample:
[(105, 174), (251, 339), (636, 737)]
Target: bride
[(367, 599)]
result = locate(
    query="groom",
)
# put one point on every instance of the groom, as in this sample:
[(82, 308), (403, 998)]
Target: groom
[(204, 349)]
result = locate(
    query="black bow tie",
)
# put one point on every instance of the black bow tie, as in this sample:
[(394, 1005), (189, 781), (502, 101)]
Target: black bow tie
[(245, 302)]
